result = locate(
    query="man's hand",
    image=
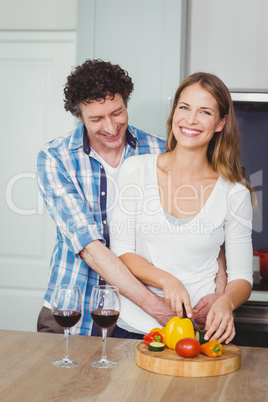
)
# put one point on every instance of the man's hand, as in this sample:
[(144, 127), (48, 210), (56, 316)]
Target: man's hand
[(221, 277), (202, 308), (159, 309)]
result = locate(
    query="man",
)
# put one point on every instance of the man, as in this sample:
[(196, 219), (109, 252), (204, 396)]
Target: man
[(77, 179)]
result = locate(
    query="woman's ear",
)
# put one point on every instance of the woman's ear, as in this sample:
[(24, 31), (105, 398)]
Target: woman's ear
[(221, 124)]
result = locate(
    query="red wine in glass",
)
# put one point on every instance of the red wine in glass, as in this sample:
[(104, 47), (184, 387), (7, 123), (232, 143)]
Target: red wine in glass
[(67, 318), (104, 318), (66, 310), (104, 310)]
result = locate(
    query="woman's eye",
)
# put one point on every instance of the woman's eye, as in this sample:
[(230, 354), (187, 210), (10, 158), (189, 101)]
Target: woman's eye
[(206, 112), (183, 107)]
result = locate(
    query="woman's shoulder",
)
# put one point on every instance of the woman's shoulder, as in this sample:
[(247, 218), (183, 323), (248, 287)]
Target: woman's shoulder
[(233, 187), (234, 192), (138, 162)]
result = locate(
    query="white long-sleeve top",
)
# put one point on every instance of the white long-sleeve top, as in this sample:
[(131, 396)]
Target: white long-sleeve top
[(188, 251)]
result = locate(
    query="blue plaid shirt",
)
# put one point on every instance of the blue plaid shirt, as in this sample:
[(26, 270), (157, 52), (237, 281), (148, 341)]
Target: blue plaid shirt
[(73, 184)]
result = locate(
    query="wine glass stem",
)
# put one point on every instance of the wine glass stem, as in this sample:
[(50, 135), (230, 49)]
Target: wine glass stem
[(66, 333), (104, 334)]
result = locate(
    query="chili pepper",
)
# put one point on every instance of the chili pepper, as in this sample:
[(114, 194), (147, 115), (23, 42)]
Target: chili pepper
[(212, 348), (152, 337), (177, 329)]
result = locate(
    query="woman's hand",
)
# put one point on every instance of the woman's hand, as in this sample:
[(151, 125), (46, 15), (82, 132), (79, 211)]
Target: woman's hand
[(202, 308), (221, 321), (176, 295)]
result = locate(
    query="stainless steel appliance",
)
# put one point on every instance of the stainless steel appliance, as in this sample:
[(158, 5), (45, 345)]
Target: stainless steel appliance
[(251, 109)]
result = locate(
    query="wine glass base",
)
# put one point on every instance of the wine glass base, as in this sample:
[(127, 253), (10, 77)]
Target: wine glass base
[(103, 364), (65, 363)]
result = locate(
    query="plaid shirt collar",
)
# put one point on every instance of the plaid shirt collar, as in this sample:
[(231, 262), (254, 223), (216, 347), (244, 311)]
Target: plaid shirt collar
[(80, 139)]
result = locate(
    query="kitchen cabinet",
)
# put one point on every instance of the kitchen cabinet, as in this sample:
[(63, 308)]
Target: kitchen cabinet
[(144, 38), (229, 38)]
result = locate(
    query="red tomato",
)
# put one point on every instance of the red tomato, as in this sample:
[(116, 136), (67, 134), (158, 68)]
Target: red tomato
[(188, 347)]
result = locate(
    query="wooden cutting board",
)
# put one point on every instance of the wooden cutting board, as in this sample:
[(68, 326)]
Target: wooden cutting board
[(169, 363)]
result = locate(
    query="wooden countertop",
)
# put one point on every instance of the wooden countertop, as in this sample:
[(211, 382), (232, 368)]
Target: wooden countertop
[(27, 373)]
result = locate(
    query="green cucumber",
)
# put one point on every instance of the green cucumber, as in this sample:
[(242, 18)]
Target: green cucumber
[(156, 347), (200, 336)]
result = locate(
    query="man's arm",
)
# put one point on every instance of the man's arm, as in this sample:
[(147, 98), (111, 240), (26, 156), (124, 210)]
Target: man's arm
[(201, 309), (114, 272)]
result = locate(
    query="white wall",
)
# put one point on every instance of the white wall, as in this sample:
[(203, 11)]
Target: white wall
[(37, 51), (38, 15)]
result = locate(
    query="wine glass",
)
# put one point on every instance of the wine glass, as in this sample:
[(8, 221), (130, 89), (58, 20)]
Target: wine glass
[(104, 310), (66, 310)]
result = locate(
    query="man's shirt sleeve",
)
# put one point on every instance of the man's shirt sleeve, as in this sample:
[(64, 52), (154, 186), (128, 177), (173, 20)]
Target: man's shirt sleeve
[(68, 208)]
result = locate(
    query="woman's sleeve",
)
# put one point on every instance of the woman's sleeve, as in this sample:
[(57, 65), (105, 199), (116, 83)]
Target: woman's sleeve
[(238, 236), (123, 224)]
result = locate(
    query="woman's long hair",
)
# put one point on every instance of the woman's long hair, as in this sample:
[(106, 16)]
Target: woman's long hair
[(224, 148)]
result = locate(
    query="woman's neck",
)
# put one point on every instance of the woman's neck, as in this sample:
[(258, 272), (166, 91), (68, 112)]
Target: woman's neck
[(188, 164)]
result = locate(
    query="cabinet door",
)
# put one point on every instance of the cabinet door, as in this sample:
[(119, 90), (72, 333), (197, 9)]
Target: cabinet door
[(33, 70), (229, 38), (144, 38)]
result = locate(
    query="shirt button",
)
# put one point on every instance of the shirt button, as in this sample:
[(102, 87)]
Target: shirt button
[(104, 222), (103, 193), (101, 166)]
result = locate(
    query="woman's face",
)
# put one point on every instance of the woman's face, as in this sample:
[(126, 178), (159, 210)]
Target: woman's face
[(196, 117)]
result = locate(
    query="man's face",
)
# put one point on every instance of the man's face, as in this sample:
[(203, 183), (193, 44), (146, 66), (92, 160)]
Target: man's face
[(106, 123)]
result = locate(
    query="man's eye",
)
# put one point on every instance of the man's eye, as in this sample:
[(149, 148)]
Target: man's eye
[(117, 114)]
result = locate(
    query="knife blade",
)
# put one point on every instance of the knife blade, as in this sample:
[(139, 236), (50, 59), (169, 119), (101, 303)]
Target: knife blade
[(196, 327)]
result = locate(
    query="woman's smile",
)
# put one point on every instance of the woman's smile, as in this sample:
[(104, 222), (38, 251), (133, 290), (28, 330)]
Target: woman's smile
[(190, 132)]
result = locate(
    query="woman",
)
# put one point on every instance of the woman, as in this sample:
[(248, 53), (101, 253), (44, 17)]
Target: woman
[(176, 210)]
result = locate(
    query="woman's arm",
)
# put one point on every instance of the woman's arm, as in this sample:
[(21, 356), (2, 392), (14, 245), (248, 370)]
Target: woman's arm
[(220, 317), (175, 293), (114, 272), (238, 245), (201, 309)]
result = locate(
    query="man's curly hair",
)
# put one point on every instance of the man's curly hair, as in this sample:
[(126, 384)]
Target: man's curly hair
[(95, 80)]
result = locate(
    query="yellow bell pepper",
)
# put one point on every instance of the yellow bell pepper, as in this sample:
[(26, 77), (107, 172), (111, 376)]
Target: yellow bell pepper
[(177, 329), (170, 327)]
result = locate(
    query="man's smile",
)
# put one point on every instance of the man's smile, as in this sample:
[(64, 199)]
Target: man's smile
[(111, 136)]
